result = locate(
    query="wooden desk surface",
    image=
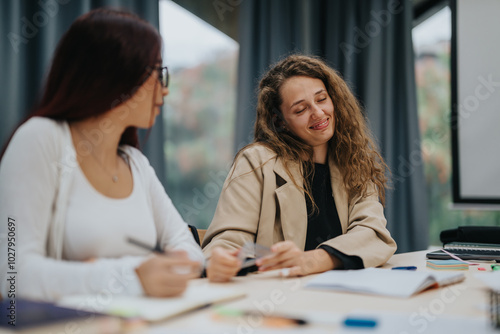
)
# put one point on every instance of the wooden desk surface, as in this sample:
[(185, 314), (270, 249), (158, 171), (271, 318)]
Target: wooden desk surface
[(268, 293)]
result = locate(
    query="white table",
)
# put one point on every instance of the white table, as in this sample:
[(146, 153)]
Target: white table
[(465, 302)]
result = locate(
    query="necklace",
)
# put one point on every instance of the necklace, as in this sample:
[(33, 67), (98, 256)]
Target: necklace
[(90, 148)]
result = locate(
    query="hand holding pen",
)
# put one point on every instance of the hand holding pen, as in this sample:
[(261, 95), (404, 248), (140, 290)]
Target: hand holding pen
[(166, 274)]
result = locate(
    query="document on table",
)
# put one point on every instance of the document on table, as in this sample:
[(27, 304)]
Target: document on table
[(149, 308), (377, 281)]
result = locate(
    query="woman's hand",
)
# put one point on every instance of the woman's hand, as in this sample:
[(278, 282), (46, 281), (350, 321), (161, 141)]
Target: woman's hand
[(223, 265), (287, 255), (167, 275)]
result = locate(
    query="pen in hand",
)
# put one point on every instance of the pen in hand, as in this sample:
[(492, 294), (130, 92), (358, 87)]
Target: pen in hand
[(179, 269)]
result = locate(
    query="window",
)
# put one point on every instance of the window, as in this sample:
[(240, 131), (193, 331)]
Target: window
[(432, 44), (199, 112)]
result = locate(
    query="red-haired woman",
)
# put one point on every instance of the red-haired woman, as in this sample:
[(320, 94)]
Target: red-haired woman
[(74, 186)]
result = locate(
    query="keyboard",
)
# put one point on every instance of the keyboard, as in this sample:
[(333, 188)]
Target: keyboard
[(468, 251)]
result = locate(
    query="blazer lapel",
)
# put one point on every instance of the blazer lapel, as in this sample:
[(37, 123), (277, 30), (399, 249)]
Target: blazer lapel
[(339, 195), (292, 204)]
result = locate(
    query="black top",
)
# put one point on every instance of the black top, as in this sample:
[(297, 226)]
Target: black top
[(324, 223)]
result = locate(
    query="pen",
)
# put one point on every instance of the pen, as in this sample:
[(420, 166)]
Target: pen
[(179, 269), (276, 320), (141, 244), (405, 268), (360, 322), (269, 320)]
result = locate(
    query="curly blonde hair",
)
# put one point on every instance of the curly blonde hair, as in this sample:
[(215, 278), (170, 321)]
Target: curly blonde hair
[(352, 146)]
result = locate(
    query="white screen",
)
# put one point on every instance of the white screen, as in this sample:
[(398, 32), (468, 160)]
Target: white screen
[(478, 112)]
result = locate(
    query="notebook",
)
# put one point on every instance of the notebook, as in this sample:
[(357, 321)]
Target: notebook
[(153, 309), (377, 281), (33, 317)]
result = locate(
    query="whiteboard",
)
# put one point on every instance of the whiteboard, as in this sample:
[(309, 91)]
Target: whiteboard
[(476, 101)]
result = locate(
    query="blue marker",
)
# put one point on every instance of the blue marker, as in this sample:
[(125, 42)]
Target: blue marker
[(360, 322), (405, 268)]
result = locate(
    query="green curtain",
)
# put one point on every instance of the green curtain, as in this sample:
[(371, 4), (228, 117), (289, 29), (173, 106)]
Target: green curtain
[(369, 42), (29, 33)]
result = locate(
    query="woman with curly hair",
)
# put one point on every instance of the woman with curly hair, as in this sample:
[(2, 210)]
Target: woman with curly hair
[(311, 185)]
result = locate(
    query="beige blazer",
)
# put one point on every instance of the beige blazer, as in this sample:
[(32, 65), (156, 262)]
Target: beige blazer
[(260, 203)]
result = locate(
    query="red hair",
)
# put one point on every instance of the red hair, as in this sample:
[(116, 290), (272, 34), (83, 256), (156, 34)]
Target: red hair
[(98, 64)]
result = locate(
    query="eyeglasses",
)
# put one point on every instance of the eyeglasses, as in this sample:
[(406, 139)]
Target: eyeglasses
[(163, 76)]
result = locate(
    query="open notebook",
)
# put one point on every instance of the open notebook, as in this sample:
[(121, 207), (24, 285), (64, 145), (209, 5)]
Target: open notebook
[(153, 309), (376, 281)]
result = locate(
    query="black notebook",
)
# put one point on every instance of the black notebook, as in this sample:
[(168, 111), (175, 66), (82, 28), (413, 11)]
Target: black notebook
[(26, 316), (468, 251)]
